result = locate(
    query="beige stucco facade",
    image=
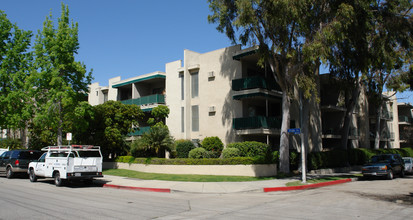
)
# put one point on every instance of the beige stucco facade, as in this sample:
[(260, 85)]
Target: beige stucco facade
[(216, 108), (224, 93)]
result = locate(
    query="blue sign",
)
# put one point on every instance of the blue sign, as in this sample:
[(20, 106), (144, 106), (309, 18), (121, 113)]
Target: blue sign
[(294, 130)]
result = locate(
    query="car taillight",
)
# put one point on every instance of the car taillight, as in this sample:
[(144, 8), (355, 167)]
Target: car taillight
[(17, 162)]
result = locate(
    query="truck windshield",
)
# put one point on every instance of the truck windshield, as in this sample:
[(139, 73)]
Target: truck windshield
[(88, 153)]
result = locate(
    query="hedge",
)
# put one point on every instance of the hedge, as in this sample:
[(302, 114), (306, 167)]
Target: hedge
[(315, 160), (343, 158), (251, 148), (191, 161)]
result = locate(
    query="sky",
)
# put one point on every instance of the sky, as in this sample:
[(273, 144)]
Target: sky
[(129, 38)]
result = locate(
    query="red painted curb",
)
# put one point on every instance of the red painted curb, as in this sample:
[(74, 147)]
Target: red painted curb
[(315, 185), (138, 188)]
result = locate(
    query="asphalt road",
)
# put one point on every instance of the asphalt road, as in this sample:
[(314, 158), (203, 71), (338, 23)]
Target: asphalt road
[(377, 199)]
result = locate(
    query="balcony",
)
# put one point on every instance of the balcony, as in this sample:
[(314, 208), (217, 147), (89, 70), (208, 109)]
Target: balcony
[(140, 132), (256, 122), (255, 82), (145, 100), (404, 119)]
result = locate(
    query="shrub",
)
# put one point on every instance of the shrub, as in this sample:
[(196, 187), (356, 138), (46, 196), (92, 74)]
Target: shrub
[(213, 144), (183, 147), (294, 160), (138, 149), (251, 148), (211, 154), (11, 144), (197, 153), (125, 159), (230, 152), (191, 161)]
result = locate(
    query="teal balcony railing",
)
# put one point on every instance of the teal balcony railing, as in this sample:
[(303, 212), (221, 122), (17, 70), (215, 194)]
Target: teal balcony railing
[(256, 122), (157, 98), (254, 83), (139, 132), (403, 118)]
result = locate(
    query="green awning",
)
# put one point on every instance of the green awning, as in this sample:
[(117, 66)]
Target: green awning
[(250, 95), (139, 80)]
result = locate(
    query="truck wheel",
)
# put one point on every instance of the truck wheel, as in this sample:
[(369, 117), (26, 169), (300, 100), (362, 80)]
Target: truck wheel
[(9, 173), (57, 180), (32, 176)]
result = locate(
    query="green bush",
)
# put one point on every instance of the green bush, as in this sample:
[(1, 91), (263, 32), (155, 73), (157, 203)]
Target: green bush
[(213, 144), (125, 159), (138, 149), (197, 153), (407, 152), (230, 152), (251, 148), (191, 161), (183, 147), (210, 154), (10, 143)]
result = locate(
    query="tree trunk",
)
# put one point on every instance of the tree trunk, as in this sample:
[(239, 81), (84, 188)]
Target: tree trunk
[(284, 142), (60, 125), (347, 118), (378, 125)]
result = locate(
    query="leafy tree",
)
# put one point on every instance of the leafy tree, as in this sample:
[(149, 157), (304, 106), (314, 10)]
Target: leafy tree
[(159, 113), (60, 82), (81, 123), (280, 28), (391, 57), (112, 121), (369, 43), (15, 66)]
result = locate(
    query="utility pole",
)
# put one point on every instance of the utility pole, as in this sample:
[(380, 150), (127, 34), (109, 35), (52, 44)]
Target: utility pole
[(303, 152)]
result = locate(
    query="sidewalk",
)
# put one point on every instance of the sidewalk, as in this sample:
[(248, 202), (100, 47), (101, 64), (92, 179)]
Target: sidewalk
[(210, 187)]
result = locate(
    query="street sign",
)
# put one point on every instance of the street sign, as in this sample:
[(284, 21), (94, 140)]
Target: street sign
[(294, 130), (69, 136)]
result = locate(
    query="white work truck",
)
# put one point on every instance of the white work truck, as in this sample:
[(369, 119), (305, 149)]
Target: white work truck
[(73, 162)]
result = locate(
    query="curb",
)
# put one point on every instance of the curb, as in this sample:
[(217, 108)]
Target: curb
[(137, 188), (310, 186), (265, 189)]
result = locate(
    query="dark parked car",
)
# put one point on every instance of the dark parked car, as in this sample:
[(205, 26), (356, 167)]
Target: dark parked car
[(17, 161), (384, 165)]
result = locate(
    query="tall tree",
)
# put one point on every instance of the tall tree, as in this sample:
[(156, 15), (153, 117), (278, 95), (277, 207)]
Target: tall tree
[(390, 44), (61, 82), (111, 123), (279, 27), (15, 67), (368, 44)]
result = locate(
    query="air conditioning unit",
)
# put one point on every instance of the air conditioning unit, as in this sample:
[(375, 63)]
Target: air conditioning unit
[(211, 108), (211, 74)]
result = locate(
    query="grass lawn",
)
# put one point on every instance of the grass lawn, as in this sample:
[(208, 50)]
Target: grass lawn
[(181, 177)]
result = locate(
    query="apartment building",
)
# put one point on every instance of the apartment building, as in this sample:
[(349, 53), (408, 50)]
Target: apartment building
[(405, 124), (225, 93)]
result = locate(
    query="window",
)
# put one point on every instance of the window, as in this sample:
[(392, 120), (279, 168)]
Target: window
[(182, 86), (195, 118), (182, 119), (194, 84)]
